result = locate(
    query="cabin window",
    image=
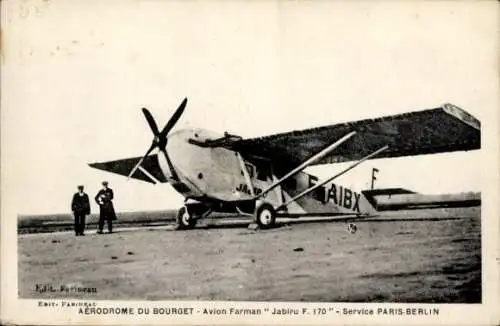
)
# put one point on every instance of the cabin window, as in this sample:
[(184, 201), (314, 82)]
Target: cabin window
[(250, 170), (264, 172)]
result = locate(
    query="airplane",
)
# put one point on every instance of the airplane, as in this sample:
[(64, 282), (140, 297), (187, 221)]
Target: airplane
[(264, 177)]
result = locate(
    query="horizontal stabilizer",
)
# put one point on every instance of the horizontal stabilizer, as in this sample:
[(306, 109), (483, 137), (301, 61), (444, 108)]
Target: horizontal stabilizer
[(388, 191), (402, 199)]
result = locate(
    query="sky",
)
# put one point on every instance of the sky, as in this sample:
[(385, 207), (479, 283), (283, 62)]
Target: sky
[(76, 73)]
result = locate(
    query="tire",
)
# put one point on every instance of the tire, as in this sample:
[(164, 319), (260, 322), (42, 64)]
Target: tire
[(184, 219), (265, 216)]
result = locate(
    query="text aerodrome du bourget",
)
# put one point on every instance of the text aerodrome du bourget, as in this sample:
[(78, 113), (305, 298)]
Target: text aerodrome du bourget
[(92, 308)]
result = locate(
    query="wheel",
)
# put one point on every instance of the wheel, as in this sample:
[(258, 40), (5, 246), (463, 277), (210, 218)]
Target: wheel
[(184, 219), (265, 216)]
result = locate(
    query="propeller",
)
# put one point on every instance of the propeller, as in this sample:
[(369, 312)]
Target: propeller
[(160, 137)]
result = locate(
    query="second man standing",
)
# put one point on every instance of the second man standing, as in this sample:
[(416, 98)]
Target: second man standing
[(104, 199)]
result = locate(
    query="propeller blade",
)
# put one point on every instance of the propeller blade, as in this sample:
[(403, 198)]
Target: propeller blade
[(153, 145), (151, 121), (173, 120)]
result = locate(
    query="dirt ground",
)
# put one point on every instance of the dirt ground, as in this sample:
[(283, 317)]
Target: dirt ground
[(385, 261)]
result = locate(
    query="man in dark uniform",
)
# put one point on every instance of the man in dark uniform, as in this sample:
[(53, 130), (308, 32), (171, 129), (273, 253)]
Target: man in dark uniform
[(104, 199), (80, 205)]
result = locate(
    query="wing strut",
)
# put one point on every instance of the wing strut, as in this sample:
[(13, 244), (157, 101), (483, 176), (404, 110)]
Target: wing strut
[(311, 160), (143, 170), (352, 166)]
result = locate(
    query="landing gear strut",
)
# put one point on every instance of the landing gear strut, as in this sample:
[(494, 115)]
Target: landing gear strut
[(184, 220)]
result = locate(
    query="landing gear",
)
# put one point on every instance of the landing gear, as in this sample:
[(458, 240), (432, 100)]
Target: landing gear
[(185, 220), (265, 216)]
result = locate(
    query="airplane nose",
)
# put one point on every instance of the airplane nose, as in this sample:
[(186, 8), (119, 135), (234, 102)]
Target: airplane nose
[(160, 137)]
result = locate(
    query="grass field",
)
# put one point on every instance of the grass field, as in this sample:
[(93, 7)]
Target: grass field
[(386, 261)]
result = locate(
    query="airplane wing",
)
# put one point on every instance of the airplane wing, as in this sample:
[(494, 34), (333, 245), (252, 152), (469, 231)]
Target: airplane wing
[(124, 166), (439, 130)]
